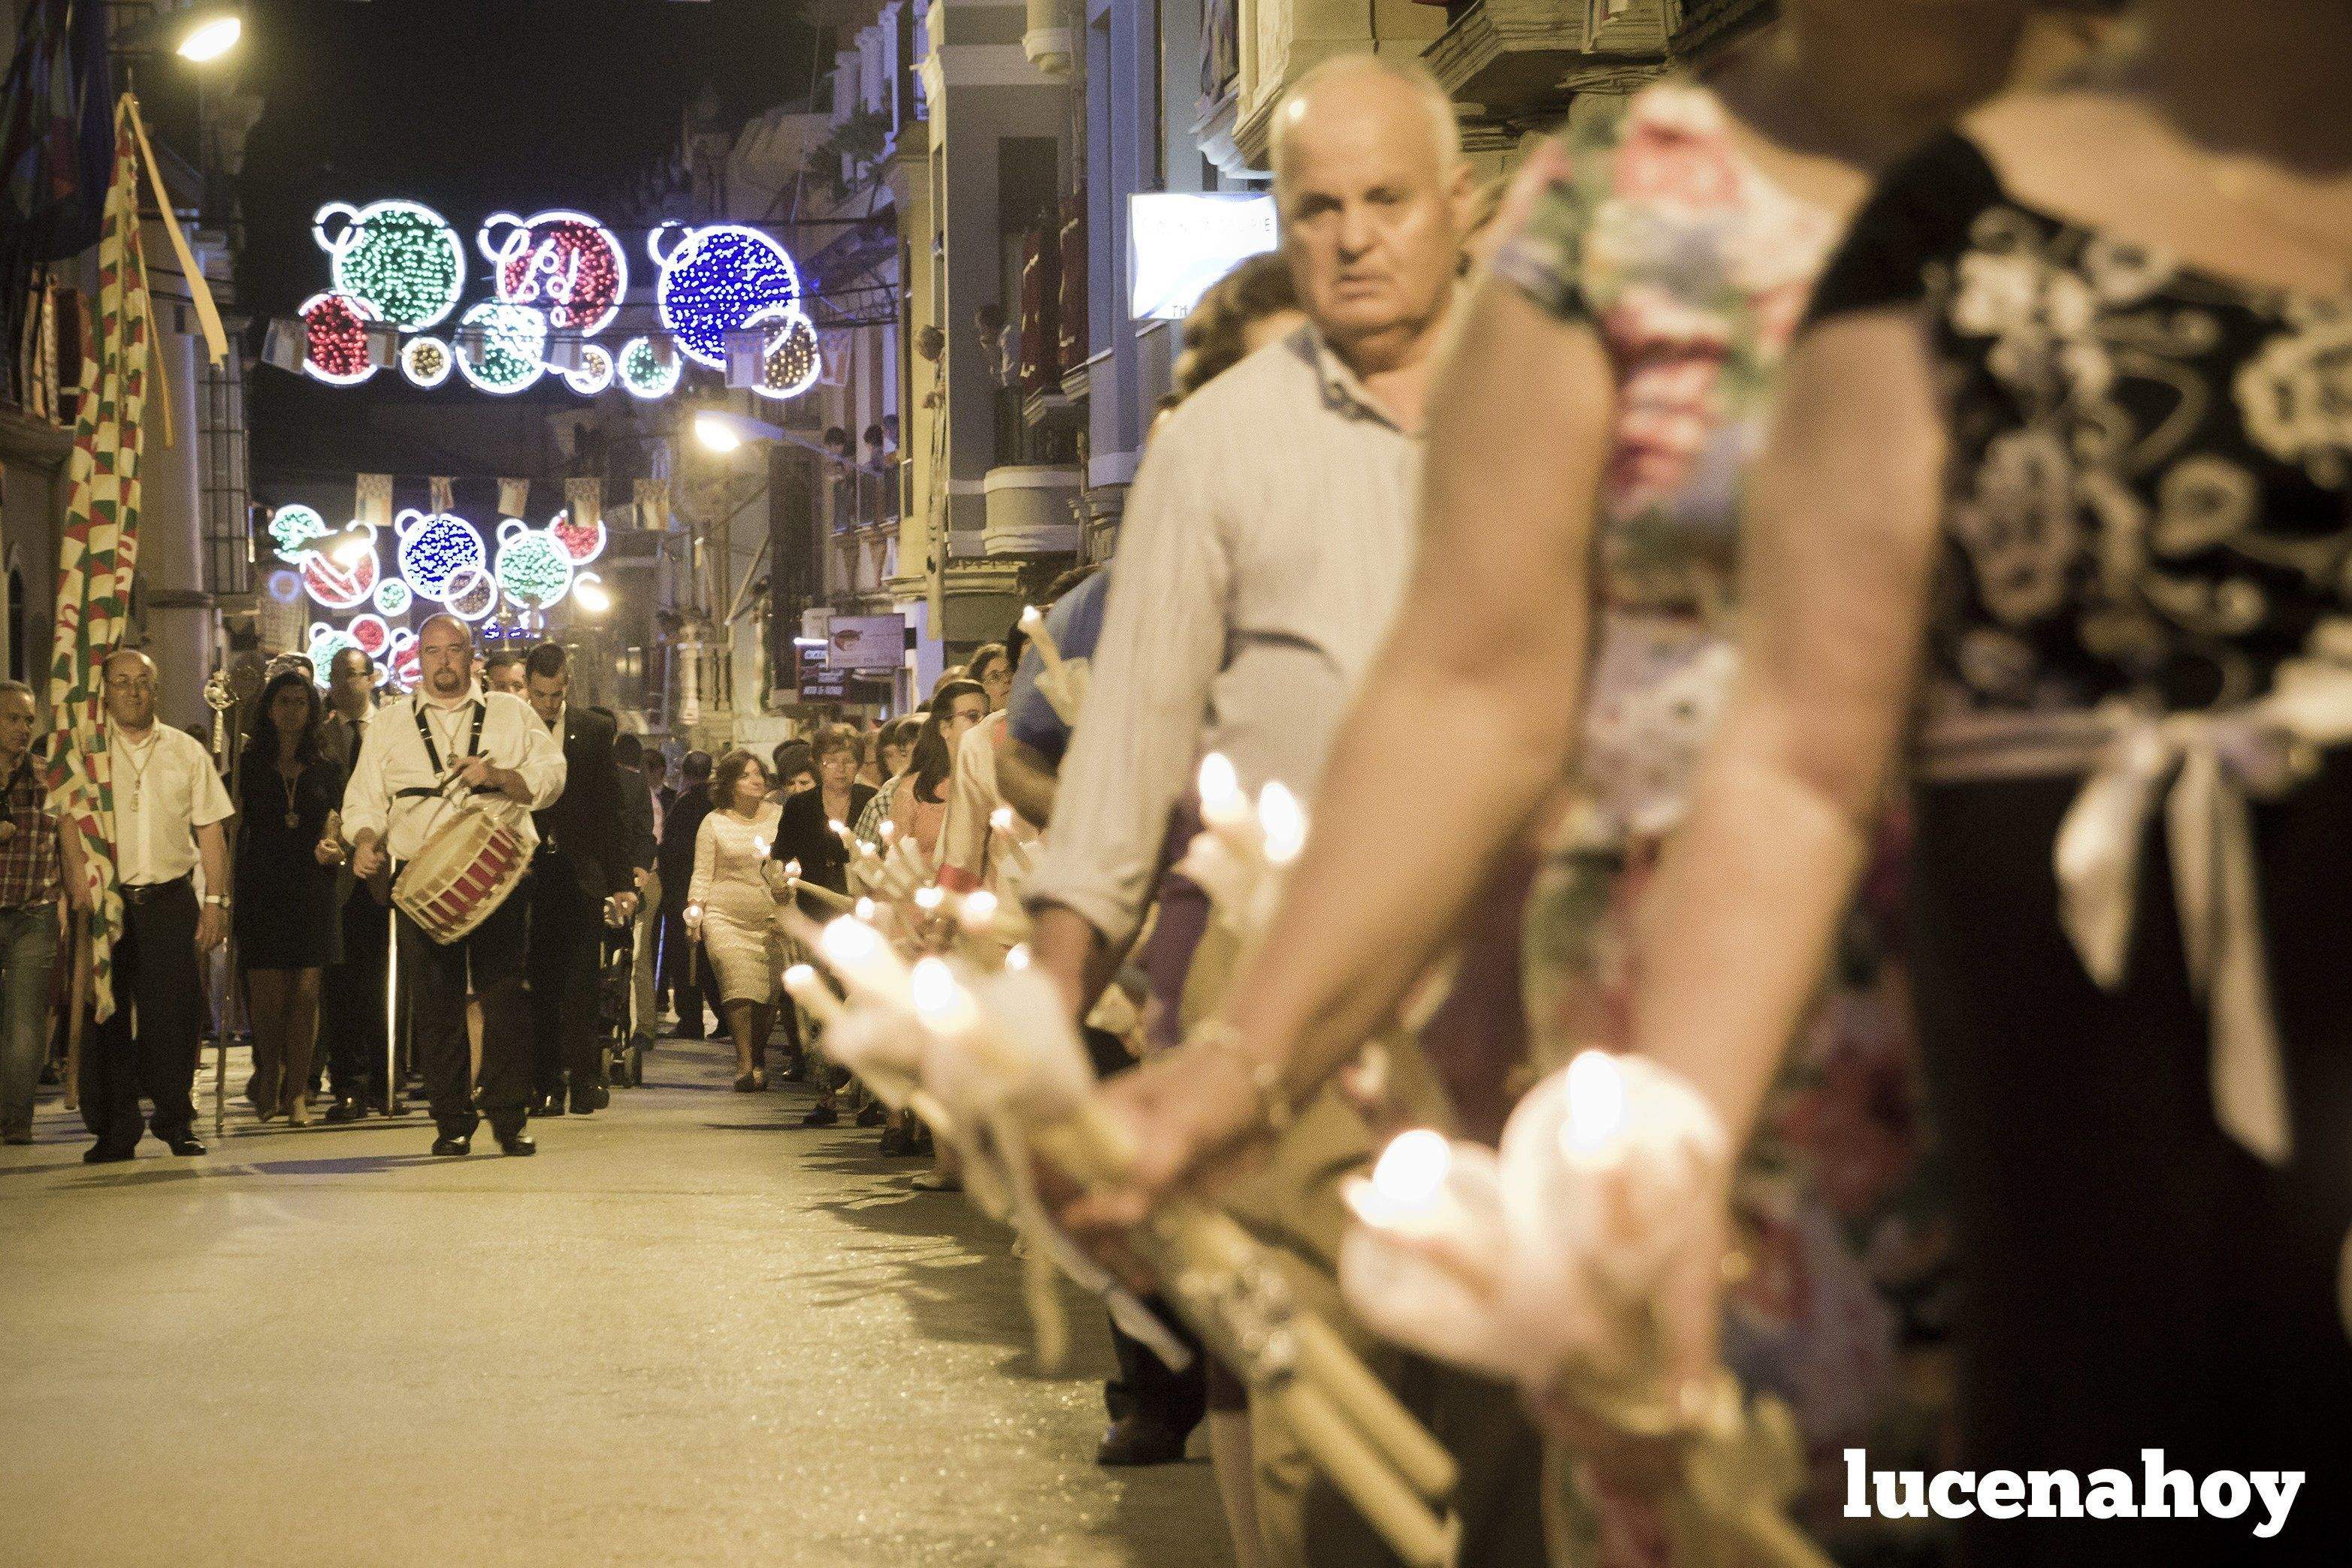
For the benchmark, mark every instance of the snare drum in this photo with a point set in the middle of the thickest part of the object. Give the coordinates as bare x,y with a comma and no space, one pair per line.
463,873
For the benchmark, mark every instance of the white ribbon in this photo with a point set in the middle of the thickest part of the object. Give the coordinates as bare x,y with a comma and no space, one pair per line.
2201,764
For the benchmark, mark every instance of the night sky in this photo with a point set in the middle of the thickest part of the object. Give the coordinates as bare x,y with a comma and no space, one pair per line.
470,106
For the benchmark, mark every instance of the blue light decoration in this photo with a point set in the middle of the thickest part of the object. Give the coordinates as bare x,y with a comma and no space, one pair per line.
401,257
283,586
642,372
426,361
566,263
433,548
534,568
513,346
715,280
792,360
593,373
291,529
394,597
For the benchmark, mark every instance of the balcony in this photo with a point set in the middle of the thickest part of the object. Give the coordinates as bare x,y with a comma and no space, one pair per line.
1516,59
1030,510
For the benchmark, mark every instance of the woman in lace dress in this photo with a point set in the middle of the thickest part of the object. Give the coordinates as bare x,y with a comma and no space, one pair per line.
2057,527
731,904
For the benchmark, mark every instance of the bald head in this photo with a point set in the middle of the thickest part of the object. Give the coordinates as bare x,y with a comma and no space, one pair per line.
444,657
1381,86
130,681
1372,190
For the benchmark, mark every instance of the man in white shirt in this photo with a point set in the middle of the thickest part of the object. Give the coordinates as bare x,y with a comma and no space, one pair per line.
169,805
493,748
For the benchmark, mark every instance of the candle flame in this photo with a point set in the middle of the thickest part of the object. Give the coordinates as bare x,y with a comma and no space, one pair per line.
979,909
1017,957
694,912
1283,821
1411,1170
848,940
792,868
763,846
928,899
938,999
1596,1104
865,909
799,978
1220,787
1030,616
1001,818
889,830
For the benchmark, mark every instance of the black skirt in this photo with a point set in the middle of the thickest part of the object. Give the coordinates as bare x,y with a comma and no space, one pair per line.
287,914
2132,1278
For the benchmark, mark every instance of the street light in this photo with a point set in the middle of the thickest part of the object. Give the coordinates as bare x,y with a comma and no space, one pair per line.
214,33
199,34
719,431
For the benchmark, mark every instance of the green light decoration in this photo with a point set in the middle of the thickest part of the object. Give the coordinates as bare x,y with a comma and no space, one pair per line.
643,374
401,257
291,529
394,597
501,345
534,569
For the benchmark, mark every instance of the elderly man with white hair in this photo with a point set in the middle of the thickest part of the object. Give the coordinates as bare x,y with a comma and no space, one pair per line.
168,807
1264,552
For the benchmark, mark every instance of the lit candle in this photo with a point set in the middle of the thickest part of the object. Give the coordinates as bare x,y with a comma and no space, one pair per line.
1221,802
1406,1191
865,964
815,998
928,899
1033,626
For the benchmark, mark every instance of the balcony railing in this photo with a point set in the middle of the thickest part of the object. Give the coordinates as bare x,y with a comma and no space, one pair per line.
863,498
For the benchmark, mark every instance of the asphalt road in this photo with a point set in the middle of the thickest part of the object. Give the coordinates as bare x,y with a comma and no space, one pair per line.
688,1331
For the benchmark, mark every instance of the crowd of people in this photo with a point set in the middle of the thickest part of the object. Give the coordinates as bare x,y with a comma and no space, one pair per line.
1833,581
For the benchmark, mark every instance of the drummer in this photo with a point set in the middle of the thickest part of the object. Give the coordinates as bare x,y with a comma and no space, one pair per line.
504,762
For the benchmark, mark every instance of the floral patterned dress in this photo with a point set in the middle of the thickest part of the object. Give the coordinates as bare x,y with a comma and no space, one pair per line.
2147,540
1695,270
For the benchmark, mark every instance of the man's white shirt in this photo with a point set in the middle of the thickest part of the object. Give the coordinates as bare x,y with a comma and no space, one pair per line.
393,757
165,787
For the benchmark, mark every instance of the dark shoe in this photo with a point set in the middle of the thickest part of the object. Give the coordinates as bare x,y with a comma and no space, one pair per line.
747,1084
446,1145
549,1105
694,1033
107,1154
187,1145
896,1141
589,1098
346,1111
517,1144
796,1067
820,1116
870,1114
15,1137
1136,1439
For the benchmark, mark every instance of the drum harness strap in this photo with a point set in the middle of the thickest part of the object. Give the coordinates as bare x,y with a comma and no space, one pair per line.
433,755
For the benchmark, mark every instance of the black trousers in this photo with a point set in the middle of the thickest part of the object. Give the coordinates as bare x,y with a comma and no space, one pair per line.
489,961
1146,1385
681,964
351,1006
148,1045
566,930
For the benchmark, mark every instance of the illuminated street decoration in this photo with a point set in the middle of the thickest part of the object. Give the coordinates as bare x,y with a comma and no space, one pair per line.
717,279
593,373
291,529
642,372
581,542
334,338
426,361
372,633
473,594
404,668
793,362
326,641
566,263
534,566
393,596
283,586
434,548
340,584
507,356
401,259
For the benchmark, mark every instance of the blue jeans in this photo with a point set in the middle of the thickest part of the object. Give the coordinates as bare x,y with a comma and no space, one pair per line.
28,951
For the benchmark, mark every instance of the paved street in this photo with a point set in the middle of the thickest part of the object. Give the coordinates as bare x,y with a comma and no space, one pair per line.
688,1331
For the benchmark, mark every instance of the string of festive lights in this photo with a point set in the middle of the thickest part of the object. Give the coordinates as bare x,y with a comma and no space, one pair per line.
715,280
334,338
534,568
433,548
501,347
583,542
291,529
593,373
344,578
426,361
565,263
642,372
394,597
792,359
402,257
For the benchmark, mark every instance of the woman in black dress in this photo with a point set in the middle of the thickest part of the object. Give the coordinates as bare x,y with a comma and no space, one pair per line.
2058,524
288,927
809,833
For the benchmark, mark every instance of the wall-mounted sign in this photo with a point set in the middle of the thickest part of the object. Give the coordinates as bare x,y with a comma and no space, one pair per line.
1179,243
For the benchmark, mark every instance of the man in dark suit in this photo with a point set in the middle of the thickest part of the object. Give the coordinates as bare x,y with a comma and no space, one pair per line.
350,1003
680,823
590,851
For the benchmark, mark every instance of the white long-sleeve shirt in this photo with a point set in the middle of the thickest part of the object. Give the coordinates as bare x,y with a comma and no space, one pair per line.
1260,562
393,758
